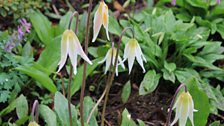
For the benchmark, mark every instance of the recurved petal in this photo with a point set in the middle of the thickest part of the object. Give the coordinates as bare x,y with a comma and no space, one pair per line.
120,62
191,111
97,22
79,50
64,52
177,105
105,16
139,54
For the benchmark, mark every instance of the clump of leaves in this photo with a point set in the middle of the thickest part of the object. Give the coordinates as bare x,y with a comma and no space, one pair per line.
11,81
20,8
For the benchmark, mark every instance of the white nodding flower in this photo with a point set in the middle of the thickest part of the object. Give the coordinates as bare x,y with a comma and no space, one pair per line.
70,46
101,18
33,123
184,109
132,50
107,58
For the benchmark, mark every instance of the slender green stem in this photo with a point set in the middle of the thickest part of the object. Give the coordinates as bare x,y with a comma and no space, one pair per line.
111,74
71,69
173,100
84,69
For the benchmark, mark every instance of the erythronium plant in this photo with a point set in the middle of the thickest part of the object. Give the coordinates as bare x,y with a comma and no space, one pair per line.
184,106
111,74
70,45
101,17
111,55
132,50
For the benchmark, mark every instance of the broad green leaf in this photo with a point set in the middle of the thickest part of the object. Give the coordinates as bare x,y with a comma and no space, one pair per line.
39,76
8,109
184,75
48,115
140,122
50,57
126,91
114,26
170,66
168,75
61,108
201,103
215,123
99,51
77,79
22,121
88,105
199,61
27,50
219,101
42,26
21,107
126,119
149,83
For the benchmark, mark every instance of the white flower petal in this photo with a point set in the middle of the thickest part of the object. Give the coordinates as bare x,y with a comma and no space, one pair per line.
183,113
138,54
97,22
126,51
73,54
131,59
120,62
177,105
105,17
64,52
116,70
80,50
191,111
108,62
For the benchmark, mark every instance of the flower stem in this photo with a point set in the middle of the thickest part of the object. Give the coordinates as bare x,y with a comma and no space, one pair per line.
84,69
173,100
111,74
71,68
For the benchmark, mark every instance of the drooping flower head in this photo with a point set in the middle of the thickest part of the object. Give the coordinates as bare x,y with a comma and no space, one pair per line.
33,123
184,109
101,18
112,52
132,50
70,46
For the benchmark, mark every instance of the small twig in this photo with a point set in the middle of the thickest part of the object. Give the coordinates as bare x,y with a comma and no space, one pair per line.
35,111
98,102
71,69
173,101
85,65
55,10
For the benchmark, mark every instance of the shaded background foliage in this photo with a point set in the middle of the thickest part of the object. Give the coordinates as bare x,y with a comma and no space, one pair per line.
182,44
